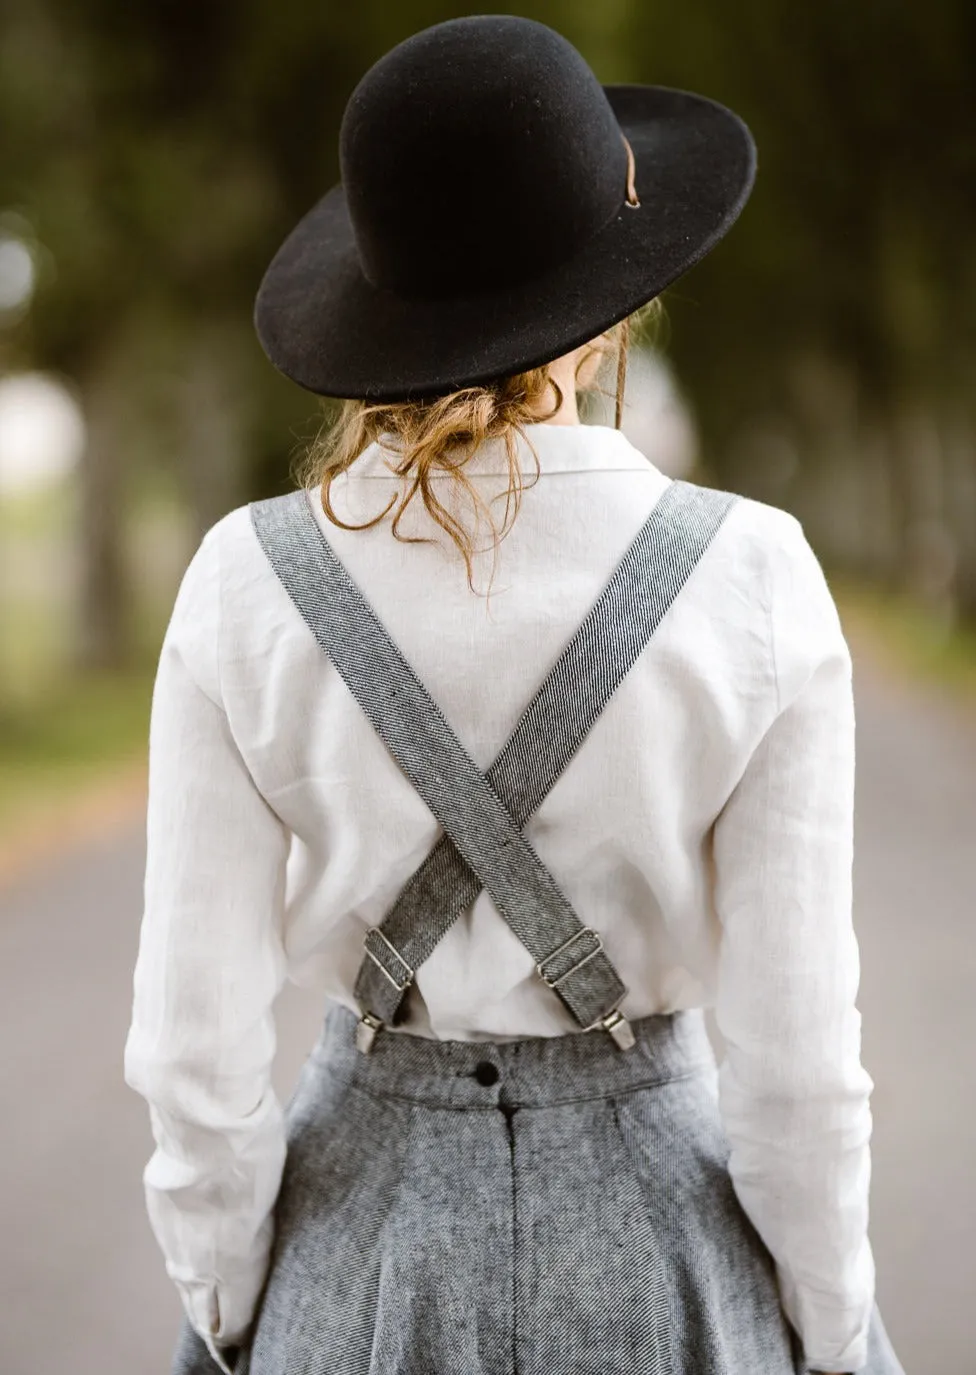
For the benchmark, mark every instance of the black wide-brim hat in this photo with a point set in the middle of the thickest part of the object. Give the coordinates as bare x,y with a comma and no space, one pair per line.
483,224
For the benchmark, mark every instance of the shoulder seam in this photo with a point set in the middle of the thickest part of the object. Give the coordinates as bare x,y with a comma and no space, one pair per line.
770,551
794,525
771,627
211,543
220,621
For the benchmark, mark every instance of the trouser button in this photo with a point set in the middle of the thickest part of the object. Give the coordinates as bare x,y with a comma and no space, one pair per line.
486,1073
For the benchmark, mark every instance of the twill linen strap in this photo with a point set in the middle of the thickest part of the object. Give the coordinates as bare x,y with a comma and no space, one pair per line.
482,814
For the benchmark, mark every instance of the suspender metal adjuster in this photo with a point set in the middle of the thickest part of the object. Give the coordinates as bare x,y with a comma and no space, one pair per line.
583,931
366,1029
398,984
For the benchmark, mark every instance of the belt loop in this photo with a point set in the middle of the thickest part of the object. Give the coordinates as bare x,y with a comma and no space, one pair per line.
366,1029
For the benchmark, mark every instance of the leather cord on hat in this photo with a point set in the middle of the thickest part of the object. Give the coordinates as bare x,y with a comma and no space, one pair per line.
632,200
624,343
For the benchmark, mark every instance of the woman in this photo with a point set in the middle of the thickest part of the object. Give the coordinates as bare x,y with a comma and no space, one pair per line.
519,845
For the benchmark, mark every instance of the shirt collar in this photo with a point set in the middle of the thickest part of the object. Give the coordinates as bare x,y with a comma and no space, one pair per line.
560,448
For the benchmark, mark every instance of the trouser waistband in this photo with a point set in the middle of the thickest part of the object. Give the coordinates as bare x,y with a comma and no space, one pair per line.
534,1070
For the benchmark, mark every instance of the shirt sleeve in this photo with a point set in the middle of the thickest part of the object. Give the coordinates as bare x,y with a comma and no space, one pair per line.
793,1094
210,964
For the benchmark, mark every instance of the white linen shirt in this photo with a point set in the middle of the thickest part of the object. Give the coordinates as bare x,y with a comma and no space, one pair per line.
704,828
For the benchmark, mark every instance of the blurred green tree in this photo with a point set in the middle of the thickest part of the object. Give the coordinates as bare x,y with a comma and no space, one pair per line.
161,151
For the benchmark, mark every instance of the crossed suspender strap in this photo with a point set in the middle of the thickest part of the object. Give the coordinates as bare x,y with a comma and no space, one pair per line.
482,814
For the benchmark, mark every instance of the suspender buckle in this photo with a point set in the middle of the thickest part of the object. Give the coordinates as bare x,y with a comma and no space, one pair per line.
397,984
619,1028
366,1029
583,931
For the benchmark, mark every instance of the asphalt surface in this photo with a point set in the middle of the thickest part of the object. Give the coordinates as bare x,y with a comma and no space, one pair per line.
82,1285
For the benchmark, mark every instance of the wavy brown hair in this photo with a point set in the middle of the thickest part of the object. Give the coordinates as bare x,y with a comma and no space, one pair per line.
439,435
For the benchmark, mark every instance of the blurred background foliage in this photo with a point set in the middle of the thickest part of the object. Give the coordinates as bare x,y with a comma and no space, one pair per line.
155,155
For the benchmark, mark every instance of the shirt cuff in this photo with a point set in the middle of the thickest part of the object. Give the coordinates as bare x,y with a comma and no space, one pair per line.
834,1335
851,1356
853,1359
212,1324
220,1355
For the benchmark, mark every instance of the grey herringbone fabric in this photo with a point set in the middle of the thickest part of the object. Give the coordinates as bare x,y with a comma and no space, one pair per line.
545,1206
482,814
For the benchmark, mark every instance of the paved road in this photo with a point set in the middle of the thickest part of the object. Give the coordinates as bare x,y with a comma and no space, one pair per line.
81,1283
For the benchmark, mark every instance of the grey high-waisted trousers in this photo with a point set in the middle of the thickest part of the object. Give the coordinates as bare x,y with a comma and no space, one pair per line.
546,1206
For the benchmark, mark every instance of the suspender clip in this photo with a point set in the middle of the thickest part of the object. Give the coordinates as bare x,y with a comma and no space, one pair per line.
619,1028
366,1029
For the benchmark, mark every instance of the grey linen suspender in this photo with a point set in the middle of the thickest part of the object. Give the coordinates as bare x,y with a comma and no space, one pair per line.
482,813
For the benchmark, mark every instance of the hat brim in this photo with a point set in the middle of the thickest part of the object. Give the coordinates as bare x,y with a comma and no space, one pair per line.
322,324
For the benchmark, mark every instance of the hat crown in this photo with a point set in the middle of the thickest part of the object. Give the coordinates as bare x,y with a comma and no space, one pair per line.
477,153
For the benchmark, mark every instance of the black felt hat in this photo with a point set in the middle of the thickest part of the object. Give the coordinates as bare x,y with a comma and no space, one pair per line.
497,208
